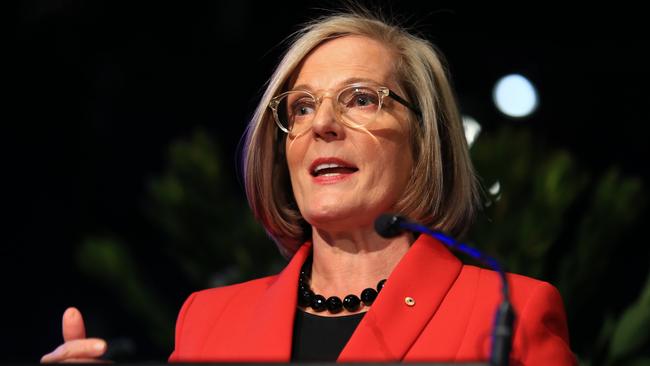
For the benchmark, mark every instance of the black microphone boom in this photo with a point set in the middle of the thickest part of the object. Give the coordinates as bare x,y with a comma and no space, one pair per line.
390,226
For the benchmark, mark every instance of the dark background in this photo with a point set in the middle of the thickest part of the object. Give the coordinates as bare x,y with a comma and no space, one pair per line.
97,90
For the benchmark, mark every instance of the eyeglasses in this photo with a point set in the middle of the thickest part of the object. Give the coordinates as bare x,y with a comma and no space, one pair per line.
356,105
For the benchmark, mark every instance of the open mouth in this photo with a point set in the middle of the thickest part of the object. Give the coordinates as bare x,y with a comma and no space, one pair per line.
332,169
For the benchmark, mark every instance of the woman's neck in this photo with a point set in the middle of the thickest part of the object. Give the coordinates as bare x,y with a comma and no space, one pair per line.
346,263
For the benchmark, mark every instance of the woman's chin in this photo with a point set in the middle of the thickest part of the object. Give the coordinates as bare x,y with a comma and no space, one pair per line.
339,220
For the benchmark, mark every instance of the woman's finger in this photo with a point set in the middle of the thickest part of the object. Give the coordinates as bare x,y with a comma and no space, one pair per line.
73,325
77,349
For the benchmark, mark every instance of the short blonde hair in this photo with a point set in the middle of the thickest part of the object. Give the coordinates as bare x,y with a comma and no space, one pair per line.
442,192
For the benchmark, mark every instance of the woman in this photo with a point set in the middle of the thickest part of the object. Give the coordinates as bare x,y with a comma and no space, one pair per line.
357,120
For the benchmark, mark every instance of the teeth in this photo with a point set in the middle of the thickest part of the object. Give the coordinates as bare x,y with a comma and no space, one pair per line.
325,166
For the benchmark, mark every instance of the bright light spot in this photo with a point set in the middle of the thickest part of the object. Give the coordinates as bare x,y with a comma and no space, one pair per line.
515,96
472,129
495,188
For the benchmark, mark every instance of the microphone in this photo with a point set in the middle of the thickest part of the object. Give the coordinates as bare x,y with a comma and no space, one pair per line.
390,226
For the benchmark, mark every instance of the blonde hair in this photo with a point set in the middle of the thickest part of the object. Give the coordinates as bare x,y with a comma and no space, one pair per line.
442,191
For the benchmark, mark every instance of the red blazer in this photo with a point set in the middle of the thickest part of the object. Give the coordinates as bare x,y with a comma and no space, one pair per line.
450,321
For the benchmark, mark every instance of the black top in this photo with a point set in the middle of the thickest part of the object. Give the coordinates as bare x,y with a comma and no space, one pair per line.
321,338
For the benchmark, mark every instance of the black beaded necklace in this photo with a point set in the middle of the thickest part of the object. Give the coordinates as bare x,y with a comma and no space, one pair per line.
307,297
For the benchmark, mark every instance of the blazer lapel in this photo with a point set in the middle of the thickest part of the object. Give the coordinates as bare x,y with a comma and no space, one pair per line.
270,330
391,326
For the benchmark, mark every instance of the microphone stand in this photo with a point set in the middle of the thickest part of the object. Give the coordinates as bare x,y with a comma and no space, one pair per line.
390,225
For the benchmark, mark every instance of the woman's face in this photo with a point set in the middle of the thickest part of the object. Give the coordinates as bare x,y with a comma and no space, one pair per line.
344,178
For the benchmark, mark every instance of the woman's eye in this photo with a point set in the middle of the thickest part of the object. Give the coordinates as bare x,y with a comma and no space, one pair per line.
361,99
302,108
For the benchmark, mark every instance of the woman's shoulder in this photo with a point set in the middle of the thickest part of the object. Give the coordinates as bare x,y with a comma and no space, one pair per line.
214,308
520,285
213,303
529,295
541,331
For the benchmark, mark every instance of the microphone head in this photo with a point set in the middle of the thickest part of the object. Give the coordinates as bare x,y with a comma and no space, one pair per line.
388,225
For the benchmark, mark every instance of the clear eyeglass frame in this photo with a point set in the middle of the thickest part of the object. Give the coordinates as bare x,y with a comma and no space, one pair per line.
381,91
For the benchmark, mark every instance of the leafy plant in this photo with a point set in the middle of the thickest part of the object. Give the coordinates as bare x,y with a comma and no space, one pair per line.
552,219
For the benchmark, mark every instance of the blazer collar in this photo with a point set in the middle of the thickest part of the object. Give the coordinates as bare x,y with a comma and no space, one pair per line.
425,274
270,331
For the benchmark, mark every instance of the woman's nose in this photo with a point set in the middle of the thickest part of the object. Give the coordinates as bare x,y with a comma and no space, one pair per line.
326,124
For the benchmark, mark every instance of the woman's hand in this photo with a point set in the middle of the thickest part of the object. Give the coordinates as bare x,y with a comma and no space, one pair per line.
76,347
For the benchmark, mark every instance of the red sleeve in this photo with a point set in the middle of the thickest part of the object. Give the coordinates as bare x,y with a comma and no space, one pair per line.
541,335
174,357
